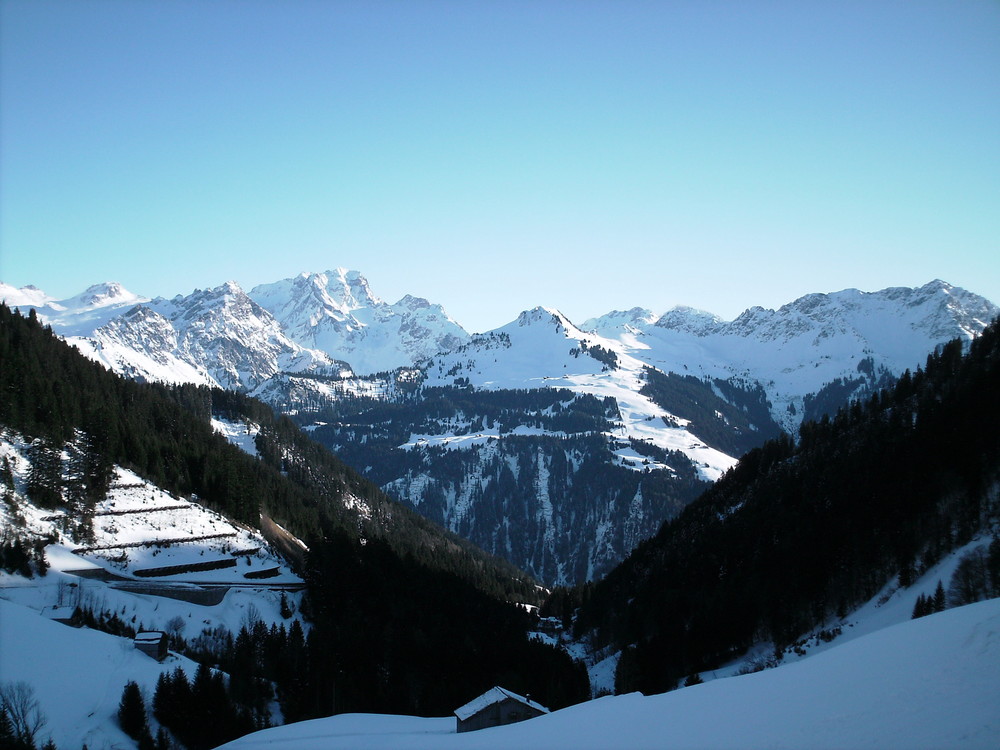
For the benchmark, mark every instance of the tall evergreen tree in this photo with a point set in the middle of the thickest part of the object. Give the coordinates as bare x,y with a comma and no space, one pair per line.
44,483
132,711
938,603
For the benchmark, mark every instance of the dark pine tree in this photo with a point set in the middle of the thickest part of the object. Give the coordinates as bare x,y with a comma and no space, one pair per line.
132,711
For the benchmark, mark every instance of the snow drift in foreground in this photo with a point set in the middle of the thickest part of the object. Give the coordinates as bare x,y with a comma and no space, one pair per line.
927,683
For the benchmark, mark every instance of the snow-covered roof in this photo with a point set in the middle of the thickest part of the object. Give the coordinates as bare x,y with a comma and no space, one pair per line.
491,696
59,613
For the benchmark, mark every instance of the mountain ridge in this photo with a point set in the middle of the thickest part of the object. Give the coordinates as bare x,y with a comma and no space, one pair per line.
337,312
674,398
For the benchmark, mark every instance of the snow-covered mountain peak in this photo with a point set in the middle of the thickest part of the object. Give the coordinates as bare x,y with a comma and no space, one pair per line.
216,336
308,297
804,345
346,289
77,315
358,286
107,294
231,288
216,307
26,297
936,311
540,347
957,306
548,316
337,312
616,322
409,302
689,319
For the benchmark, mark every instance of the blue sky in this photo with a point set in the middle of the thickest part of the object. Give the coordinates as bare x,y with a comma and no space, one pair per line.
494,156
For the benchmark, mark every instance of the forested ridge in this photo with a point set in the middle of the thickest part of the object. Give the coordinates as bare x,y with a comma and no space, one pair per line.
52,394
405,616
734,424
797,533
559,503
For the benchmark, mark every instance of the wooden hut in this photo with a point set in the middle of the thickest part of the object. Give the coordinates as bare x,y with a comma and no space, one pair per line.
152,643
495,708
60,614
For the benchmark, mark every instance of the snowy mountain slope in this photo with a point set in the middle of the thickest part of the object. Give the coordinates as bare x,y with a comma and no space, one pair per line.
543,349
239,343
892,605
78,315
545,486
715,391
550,503
797,350
794,353
155,562
225,337
302,324
142,533
25,297
77,675
211,337
927,683
336,312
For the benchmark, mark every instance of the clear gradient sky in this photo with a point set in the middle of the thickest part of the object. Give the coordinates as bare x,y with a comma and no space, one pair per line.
493,156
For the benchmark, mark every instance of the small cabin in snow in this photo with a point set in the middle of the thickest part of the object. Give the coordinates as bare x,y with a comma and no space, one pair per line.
152,643
60,614
495,708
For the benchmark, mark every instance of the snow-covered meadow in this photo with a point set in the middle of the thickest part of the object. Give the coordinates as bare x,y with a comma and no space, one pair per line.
928,684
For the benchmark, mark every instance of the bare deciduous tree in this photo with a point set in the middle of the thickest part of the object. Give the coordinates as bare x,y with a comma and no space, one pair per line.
18,699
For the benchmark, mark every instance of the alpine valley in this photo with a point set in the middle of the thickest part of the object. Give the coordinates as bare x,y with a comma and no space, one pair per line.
557,446
184,566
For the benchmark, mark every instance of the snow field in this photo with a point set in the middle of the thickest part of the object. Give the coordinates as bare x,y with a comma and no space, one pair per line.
77,675
924,684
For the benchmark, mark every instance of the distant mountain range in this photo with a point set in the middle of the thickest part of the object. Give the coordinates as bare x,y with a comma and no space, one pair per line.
649,407
329,323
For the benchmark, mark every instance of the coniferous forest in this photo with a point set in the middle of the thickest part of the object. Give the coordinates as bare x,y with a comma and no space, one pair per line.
411,619
801,532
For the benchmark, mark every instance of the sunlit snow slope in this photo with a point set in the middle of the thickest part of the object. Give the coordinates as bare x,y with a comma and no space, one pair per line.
925,684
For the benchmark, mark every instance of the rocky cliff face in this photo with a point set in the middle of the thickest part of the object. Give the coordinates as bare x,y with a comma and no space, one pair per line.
212,337
337,313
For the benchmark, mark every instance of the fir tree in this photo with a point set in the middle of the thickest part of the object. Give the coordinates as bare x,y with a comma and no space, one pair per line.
132,711
938,603
44,484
